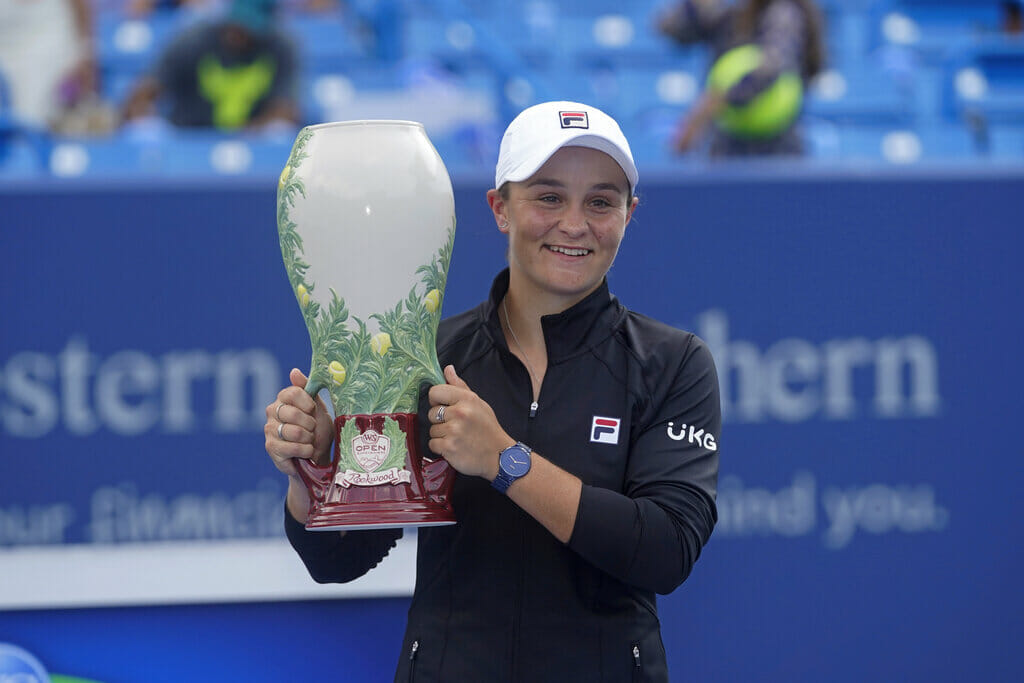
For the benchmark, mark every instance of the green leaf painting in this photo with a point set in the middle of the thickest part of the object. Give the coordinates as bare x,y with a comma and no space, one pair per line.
365,373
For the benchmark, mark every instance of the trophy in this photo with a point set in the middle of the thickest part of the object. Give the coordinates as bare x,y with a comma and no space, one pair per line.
366,221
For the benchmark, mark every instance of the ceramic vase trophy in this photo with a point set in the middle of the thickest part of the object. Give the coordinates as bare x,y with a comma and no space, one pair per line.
366,220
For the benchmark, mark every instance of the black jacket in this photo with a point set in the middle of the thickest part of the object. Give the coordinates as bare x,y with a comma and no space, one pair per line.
497,597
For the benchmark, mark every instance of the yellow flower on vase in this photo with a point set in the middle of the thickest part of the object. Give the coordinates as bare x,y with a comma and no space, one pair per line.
337,371
303,295
284,176
432,301
380,343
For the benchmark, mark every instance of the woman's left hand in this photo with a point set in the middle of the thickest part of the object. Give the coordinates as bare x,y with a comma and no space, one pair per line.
469,436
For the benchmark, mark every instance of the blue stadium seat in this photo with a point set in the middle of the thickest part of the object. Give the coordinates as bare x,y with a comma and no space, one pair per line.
202,154
127,47
846,33
179,154
946,17
23,148
935,28
594,8
325,40
650,132
618,40
987,80
19,157
859,96
639,89
443,38
132,43
1006,143
113,157
941,142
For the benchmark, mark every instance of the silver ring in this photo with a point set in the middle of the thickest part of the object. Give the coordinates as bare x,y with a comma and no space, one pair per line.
278,411
440,414
280,434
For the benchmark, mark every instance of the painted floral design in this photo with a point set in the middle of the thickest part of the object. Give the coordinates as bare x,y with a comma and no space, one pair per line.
365,373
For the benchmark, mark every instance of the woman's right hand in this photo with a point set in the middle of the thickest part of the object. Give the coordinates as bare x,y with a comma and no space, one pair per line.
306,429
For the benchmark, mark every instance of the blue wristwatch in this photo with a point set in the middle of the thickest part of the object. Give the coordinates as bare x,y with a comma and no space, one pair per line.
513,463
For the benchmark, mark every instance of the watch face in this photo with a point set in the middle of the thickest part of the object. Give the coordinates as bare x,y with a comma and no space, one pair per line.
515,462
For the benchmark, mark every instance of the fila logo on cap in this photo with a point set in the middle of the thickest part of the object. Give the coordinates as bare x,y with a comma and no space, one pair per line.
605,430
574,119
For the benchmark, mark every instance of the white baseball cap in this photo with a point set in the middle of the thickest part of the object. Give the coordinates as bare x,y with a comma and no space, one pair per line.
543,129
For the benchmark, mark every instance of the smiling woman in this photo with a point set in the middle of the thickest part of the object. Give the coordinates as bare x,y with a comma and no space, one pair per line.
564,226
560,546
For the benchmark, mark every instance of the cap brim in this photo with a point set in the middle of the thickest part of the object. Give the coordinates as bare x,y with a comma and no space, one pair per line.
539,157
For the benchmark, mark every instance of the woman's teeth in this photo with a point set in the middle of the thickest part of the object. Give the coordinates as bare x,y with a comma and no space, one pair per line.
570,252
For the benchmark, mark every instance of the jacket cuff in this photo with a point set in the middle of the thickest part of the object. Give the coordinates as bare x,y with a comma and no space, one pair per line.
333,557
305,541
607,529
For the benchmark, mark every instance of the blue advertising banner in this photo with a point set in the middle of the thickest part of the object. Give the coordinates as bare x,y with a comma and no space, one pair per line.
864,325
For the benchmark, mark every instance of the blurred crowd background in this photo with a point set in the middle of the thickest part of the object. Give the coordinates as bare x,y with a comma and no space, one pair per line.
193,87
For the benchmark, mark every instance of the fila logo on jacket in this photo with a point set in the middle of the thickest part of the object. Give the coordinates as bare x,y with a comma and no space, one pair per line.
605,430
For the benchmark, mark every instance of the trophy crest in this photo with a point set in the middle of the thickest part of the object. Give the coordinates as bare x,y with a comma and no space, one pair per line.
366,222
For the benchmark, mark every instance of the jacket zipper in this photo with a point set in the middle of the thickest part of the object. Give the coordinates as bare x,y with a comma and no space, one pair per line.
534,404
412,659
636,662
529,372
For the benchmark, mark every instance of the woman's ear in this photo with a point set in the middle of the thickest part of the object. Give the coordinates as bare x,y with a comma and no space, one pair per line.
631,208
498,208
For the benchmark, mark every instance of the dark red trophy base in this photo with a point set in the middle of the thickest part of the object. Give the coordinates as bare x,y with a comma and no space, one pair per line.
423,501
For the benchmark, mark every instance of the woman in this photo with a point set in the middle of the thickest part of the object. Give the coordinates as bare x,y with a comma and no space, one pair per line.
788,35
560,546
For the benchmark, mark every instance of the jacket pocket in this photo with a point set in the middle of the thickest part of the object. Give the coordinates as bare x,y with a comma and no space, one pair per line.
414,651
633,655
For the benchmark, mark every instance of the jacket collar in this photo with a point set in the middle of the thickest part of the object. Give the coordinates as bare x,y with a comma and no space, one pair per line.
568,333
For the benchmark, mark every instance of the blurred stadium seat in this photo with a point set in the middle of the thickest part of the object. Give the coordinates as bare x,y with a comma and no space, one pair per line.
906,79
1006,143
987,80
200,154
859,95
892,144
22,148
127,46
935,28
325,41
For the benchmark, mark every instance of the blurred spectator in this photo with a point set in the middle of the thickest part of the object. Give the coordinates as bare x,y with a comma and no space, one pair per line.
200,8
46,60
144,7
1013,23
764,54
232,73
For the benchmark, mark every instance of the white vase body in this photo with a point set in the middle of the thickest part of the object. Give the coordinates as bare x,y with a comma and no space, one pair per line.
366,220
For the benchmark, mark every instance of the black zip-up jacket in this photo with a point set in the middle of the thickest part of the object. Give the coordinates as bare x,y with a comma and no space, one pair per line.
497,597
